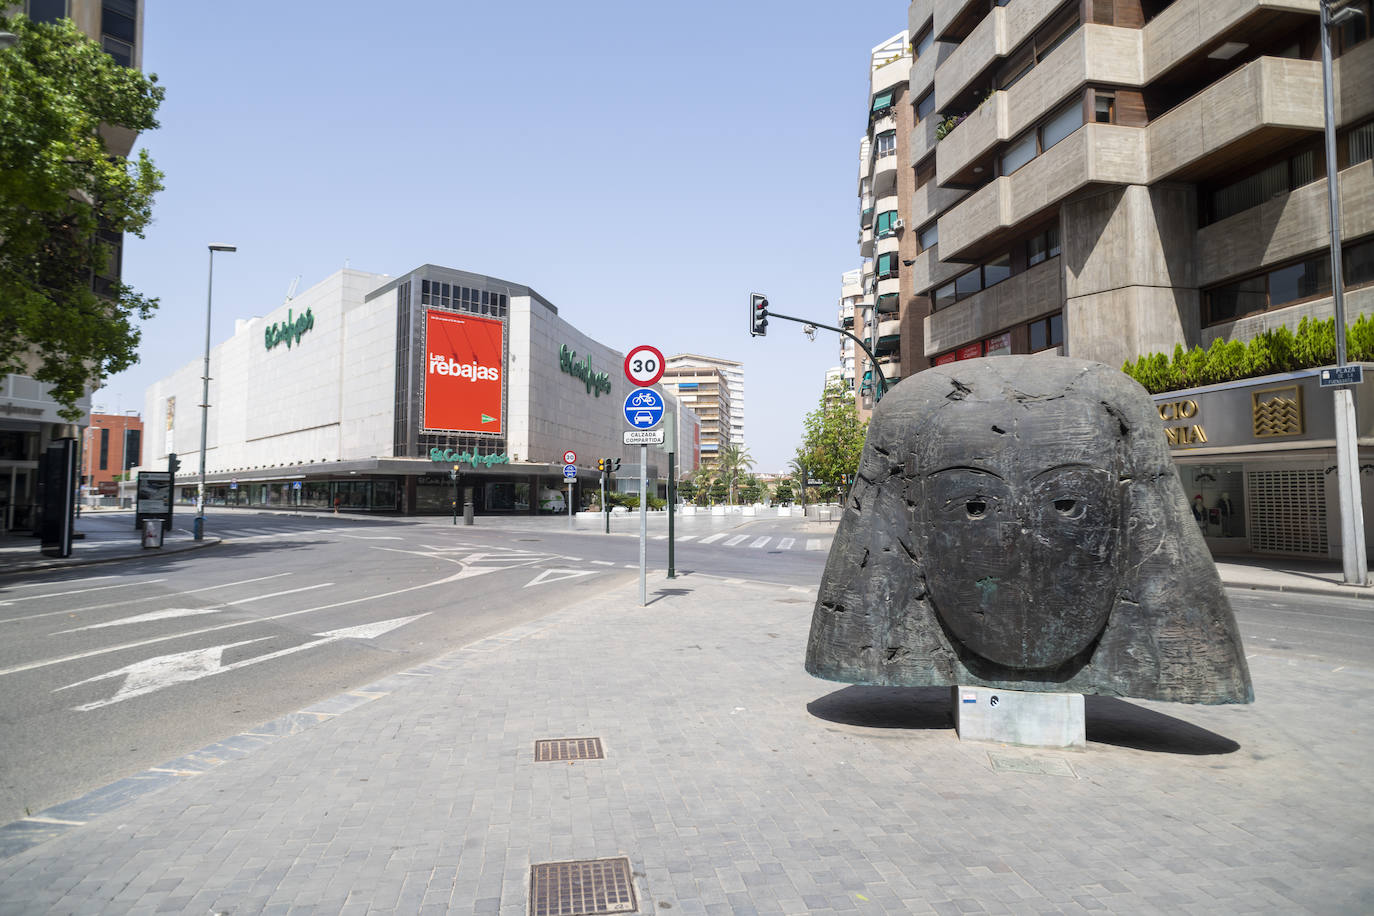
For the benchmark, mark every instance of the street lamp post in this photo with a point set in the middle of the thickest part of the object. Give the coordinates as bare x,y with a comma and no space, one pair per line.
205,393
1354,563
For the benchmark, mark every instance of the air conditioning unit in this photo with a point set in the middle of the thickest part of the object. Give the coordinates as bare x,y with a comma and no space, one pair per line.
898,224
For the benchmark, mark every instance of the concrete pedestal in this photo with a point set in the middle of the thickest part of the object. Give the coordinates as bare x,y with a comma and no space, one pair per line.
1017,717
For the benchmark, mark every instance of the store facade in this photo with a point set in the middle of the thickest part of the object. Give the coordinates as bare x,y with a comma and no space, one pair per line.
1257,461
366,393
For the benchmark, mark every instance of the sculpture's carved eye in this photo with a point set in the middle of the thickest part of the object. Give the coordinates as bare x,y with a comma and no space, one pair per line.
1069,508
976,508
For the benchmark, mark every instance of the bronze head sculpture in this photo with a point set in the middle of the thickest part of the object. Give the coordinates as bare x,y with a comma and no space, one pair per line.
1017,522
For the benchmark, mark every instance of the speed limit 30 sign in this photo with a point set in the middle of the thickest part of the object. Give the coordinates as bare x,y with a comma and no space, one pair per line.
644,366
570,457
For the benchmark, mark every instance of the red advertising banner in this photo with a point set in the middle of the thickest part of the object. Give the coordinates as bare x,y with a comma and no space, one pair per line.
971,351
463,367
947,358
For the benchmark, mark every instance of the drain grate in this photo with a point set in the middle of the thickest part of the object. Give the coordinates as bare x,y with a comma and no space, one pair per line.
568,749
582,888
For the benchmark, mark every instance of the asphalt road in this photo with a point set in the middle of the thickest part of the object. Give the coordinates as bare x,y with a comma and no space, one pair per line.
110,669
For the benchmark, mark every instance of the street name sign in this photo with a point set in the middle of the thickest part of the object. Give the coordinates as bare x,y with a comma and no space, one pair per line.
1342,375
644,365
643,408
569,472
644,437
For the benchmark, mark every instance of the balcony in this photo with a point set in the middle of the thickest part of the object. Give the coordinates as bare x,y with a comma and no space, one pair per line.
922,140
885,173
866,242
1264,106
1288,226
986,220
1013,301
929,201
954,18
994,37
892,368
928,271
887,243
1188,30
889,328
889,285
890,75
1092,54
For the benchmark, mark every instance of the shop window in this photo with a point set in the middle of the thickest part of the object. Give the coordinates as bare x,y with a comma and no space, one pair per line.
1047,332
929,236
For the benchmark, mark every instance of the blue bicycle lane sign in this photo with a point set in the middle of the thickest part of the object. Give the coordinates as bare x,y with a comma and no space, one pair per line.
643,408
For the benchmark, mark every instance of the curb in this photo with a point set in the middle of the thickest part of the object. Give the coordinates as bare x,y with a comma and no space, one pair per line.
46,565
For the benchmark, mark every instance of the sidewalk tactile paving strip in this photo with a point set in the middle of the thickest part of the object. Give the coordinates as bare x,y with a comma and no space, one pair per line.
568,749
585,888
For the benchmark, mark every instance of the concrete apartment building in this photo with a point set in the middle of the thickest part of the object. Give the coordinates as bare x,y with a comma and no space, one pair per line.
1108,178
734,380
705,390
29,421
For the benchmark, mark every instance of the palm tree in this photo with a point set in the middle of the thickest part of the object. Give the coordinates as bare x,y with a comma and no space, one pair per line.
702,478
734,461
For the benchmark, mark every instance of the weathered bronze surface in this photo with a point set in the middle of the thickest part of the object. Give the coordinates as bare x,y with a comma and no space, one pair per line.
1018,523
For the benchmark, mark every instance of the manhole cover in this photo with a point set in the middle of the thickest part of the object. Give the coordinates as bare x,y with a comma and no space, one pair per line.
582,888
568,749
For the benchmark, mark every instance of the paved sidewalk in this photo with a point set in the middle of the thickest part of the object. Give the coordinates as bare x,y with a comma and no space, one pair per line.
734,783
107,535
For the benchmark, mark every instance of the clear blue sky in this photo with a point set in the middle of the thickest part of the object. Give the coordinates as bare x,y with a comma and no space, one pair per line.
643,166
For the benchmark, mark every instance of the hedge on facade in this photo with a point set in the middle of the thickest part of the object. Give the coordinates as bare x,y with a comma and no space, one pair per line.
1273,351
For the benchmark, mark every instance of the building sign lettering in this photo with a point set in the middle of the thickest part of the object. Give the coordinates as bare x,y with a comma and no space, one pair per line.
290,330
597,382
1188,434
449,456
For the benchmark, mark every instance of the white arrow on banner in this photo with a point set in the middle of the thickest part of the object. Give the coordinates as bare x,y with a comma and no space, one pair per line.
167,670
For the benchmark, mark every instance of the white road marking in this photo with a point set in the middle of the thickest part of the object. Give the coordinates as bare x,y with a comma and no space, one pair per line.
760,542
602,563
372,537
660,537
19,669
689,537
103,607
289,591
735,540
68,582
558,575
167,614
786,543
815,544
712,538
154,674
79,591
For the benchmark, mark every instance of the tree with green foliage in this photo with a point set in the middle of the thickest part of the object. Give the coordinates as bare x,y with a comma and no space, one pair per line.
719,491
735,460
686,490
783,494
833,441
65,197
750,493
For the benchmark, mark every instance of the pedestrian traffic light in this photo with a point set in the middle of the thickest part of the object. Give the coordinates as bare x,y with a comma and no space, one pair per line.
758,315
615,464
173,463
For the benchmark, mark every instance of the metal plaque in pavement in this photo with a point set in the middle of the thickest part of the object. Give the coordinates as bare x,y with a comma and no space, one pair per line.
1342,375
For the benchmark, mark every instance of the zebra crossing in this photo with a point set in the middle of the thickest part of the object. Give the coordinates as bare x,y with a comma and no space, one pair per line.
749,542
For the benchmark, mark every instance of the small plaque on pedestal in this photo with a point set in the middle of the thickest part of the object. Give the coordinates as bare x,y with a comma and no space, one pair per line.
1017,717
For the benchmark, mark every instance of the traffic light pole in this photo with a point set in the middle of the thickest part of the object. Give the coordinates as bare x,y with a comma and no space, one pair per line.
882,379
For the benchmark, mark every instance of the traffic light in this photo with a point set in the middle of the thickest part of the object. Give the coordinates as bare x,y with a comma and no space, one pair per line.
758,315
614,464
173,463
601,465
